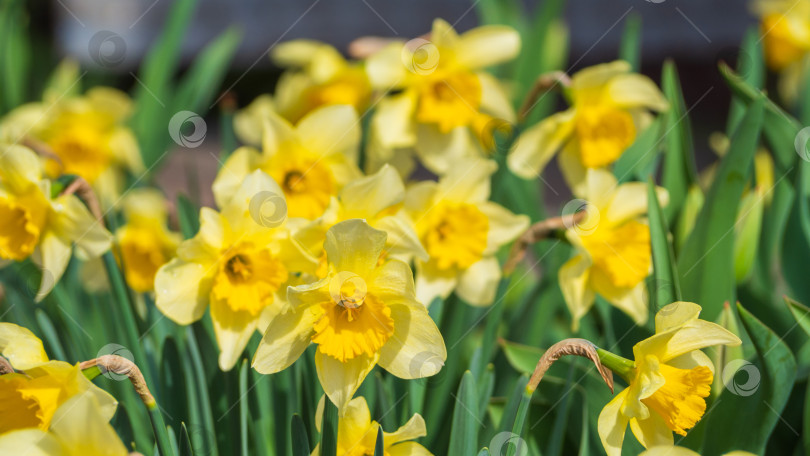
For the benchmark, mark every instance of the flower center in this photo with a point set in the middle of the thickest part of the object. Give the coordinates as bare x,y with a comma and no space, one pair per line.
30,400
622,253
450,100
308,184
455,235
248,279
353,322
81,141
680,401
21,222
603,133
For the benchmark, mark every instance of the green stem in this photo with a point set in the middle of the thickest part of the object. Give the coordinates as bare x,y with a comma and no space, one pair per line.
520,421
159,427
329,428
622,366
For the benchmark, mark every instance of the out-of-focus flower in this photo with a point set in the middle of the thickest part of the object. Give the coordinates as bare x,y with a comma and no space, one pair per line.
444,100
785,26
30,398
361,314
145,242
612,245
668,380
357,433
320,76
311,161
35,225
86,135
79,428
609,108
377,199
239,264
672,450
461,231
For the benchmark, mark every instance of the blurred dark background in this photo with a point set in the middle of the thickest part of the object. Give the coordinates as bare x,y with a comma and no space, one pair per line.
694,33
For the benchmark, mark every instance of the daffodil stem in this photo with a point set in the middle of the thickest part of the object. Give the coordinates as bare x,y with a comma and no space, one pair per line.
329,428
159,427
622,366
520,421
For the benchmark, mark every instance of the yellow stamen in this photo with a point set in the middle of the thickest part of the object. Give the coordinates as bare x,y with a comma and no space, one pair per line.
308,185
604,133
455,235
680,401
449,100
248,279
354,326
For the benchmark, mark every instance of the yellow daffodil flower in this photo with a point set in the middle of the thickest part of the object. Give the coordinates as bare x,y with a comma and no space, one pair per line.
239,264
378,200
357,433
612,244
86,135
362,313
668,381
663,450
79,428
444,100
31,397
320,76
311,161
785,26
145,242
35,225
461,231
609,108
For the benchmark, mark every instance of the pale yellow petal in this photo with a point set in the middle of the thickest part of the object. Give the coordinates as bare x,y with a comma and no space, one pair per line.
112,101
652,432
326,64
233,331
630,201
504,226
284,341
238,166
612,425
373,194
534,147
408,449
354,246
633,90
690,336
20,168
675,315
393,123
79,426
468,181
601,185
295,53
258,205
432,283
21,347
52,257
31,442
487,45
403,242
248,124
494,100
478,283
631,301
340,380
579,297
416,349
443,35
385,69
598,75
331,130
412,430
572,169
127,152
441,152
73,222
392,282
182,290
670,451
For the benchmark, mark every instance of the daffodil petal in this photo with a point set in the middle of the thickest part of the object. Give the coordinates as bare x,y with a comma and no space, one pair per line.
403,242
340,380
535,146
19,167
21,347
295,53
392,281
233,331
412,430
477,285
432,283
573,278
676,314
182,290
443,35
504,226
598,75
670,451
72,222
248,123
373,194
691,360
30,442
416,348
631,301
630,201
487,45
354,246
284,341
601,185
572,169
78,424
331,130
385,68
441,152
468,181
686,338
53,256
408,449
612,425
244,210
393,120
652,432
494,100
238,165
633,90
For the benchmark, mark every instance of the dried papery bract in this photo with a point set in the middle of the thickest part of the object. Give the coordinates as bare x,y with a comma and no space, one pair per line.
82,189
544,84
536,233
5,366
578,347
122,366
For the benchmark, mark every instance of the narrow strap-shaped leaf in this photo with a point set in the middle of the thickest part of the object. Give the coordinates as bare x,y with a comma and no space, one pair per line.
800,312
243,407
706,263
494,317
185,442
379,447
188,217
197,89
630,48
329,428
665,286
796,238
159,428
751,68
520,423
465,424
300,440
679,169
